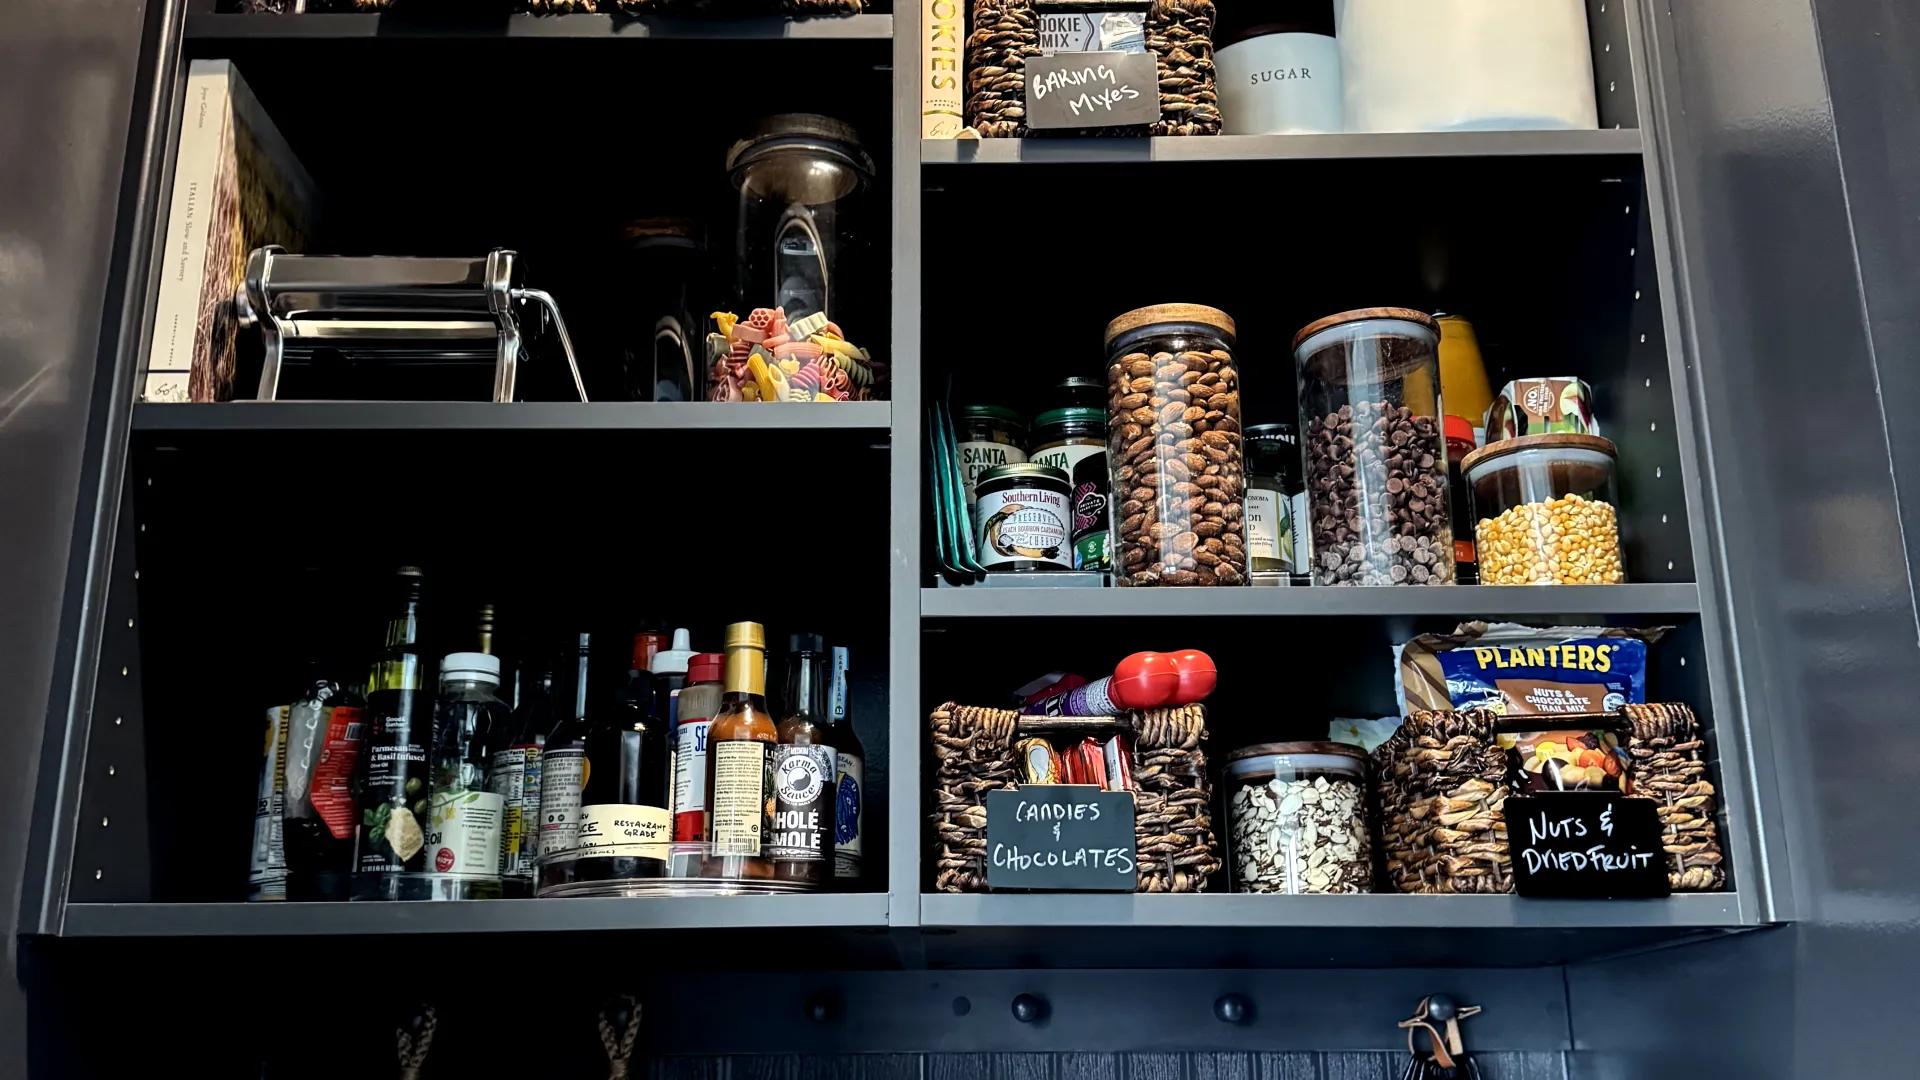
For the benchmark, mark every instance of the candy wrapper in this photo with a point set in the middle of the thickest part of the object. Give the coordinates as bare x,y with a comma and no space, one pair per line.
1539,407
764,357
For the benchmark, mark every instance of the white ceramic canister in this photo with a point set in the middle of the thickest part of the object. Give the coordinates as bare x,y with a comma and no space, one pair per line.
1459,65
1280,79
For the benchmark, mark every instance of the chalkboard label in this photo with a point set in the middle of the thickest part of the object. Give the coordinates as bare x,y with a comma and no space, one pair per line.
1066,837
1092,89
1593,844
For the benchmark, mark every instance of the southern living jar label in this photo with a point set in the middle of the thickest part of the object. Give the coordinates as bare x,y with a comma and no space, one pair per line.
1024,524
740,781
977,457
463,834
641,832
803,791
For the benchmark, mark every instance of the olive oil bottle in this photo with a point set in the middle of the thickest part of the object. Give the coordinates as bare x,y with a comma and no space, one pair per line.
393,788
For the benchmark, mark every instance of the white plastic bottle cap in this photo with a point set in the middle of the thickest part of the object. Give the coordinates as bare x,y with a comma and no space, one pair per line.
674,661
475,666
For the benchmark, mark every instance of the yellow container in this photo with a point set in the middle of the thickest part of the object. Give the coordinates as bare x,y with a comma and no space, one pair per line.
1464,389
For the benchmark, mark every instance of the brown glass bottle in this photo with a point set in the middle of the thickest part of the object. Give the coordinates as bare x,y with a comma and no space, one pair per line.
803,769
740,747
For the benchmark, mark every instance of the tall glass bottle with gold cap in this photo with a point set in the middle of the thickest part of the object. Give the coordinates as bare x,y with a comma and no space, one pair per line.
740,745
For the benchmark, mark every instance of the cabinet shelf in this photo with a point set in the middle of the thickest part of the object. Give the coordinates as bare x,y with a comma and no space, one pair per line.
1697,911
844,910
519,416
1608,142
334,27
1465,600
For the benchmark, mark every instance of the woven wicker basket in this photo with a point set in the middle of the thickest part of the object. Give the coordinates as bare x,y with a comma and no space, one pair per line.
1004,33
1665,744
1442,782
973,752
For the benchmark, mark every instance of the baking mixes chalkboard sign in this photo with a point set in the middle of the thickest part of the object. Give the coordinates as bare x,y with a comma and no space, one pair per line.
1593,844
1066,837
1092,89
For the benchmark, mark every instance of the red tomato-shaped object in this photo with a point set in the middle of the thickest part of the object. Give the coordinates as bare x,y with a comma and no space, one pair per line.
1197,676
1145,680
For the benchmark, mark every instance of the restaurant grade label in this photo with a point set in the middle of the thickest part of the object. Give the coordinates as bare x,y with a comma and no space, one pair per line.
1062,837
1588,844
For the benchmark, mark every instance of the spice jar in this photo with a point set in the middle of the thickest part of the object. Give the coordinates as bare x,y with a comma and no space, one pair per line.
1545,505
1297,818
987,436
1025,519
1376,465
1173,438
1273,479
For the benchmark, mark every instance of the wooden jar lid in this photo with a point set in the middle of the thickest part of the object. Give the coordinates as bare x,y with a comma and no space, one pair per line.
1360,314
1552,440
1171,313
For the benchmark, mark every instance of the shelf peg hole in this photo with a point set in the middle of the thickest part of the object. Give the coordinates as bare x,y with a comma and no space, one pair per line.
110,770
98,874
1632,251
123,670
1636,294
1610,86
117,720
1649,384
129,624
961,1006
1658,472
1683,661
103,822
1643,341
1669,564
1663,519
1655,426
136,575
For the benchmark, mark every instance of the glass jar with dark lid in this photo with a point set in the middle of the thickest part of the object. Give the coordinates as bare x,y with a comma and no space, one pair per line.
986,437
800,177
1079,392
1297,818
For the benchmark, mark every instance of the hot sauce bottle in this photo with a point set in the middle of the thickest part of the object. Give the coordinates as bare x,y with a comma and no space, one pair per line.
804,769
740,746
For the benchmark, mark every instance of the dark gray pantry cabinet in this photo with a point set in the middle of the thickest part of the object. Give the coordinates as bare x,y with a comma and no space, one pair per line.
1729,261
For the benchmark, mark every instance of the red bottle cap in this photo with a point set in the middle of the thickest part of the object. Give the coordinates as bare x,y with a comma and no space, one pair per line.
706,667
1459,430
645,646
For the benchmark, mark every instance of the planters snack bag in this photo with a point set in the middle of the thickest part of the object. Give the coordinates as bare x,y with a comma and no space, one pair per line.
1524,670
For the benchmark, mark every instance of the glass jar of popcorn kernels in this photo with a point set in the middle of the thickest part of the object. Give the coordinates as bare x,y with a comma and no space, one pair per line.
1545,511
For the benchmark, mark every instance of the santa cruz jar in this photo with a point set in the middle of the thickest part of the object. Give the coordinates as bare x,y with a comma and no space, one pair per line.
1024,518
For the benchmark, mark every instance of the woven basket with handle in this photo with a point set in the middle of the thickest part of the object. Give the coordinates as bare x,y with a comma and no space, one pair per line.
973,752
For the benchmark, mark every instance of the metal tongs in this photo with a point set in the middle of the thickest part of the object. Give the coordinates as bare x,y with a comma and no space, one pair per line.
393,308
1447,1057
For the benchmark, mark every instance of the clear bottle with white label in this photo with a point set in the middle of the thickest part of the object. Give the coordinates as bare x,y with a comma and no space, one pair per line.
465,819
